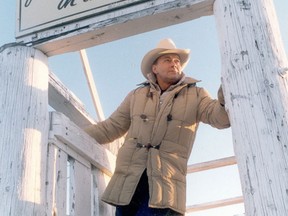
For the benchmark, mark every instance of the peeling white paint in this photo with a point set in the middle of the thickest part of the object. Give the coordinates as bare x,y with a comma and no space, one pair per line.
257,100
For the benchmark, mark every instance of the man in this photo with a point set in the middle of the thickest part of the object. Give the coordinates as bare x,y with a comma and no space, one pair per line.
160,118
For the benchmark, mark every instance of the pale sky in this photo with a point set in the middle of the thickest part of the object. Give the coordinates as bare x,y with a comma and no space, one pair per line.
116,69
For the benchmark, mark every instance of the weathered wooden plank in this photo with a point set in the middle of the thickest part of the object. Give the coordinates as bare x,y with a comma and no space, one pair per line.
56,181
214,204
82,189
63,129
91,85
63,100
72,153
23,130
71,187
49,180
256,97
99,183
117,24
211,164
72,184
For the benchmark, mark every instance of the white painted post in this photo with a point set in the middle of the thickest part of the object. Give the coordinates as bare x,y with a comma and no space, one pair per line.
23,130
256,93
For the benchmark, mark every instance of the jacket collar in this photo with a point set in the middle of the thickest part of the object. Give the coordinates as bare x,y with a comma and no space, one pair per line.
183,81
190,80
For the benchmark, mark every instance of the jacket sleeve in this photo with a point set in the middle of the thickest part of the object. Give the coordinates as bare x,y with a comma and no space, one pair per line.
115,126
212,111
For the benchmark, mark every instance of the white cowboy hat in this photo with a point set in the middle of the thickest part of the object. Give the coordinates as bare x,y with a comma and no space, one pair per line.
165,46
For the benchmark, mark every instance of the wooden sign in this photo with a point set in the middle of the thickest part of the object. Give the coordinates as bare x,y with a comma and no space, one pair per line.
60,26
38,15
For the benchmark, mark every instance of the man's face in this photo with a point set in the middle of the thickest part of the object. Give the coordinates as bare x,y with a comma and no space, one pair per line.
167,69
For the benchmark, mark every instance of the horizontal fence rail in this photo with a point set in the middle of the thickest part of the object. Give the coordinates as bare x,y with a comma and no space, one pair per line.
211,164
215,204
66,102
228,161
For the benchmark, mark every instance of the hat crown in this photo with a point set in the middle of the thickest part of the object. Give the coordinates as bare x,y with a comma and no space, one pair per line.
166,44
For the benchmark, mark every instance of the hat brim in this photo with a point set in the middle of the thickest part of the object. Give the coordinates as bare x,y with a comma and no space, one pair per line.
150,58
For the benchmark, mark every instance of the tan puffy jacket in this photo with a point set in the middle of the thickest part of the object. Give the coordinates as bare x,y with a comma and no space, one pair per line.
169,131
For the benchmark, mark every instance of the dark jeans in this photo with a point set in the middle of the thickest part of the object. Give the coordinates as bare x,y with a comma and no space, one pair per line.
139,203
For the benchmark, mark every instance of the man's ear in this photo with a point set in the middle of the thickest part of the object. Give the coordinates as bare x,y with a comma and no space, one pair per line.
154,69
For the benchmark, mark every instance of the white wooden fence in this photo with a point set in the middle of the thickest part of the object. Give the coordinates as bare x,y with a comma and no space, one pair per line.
78,170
